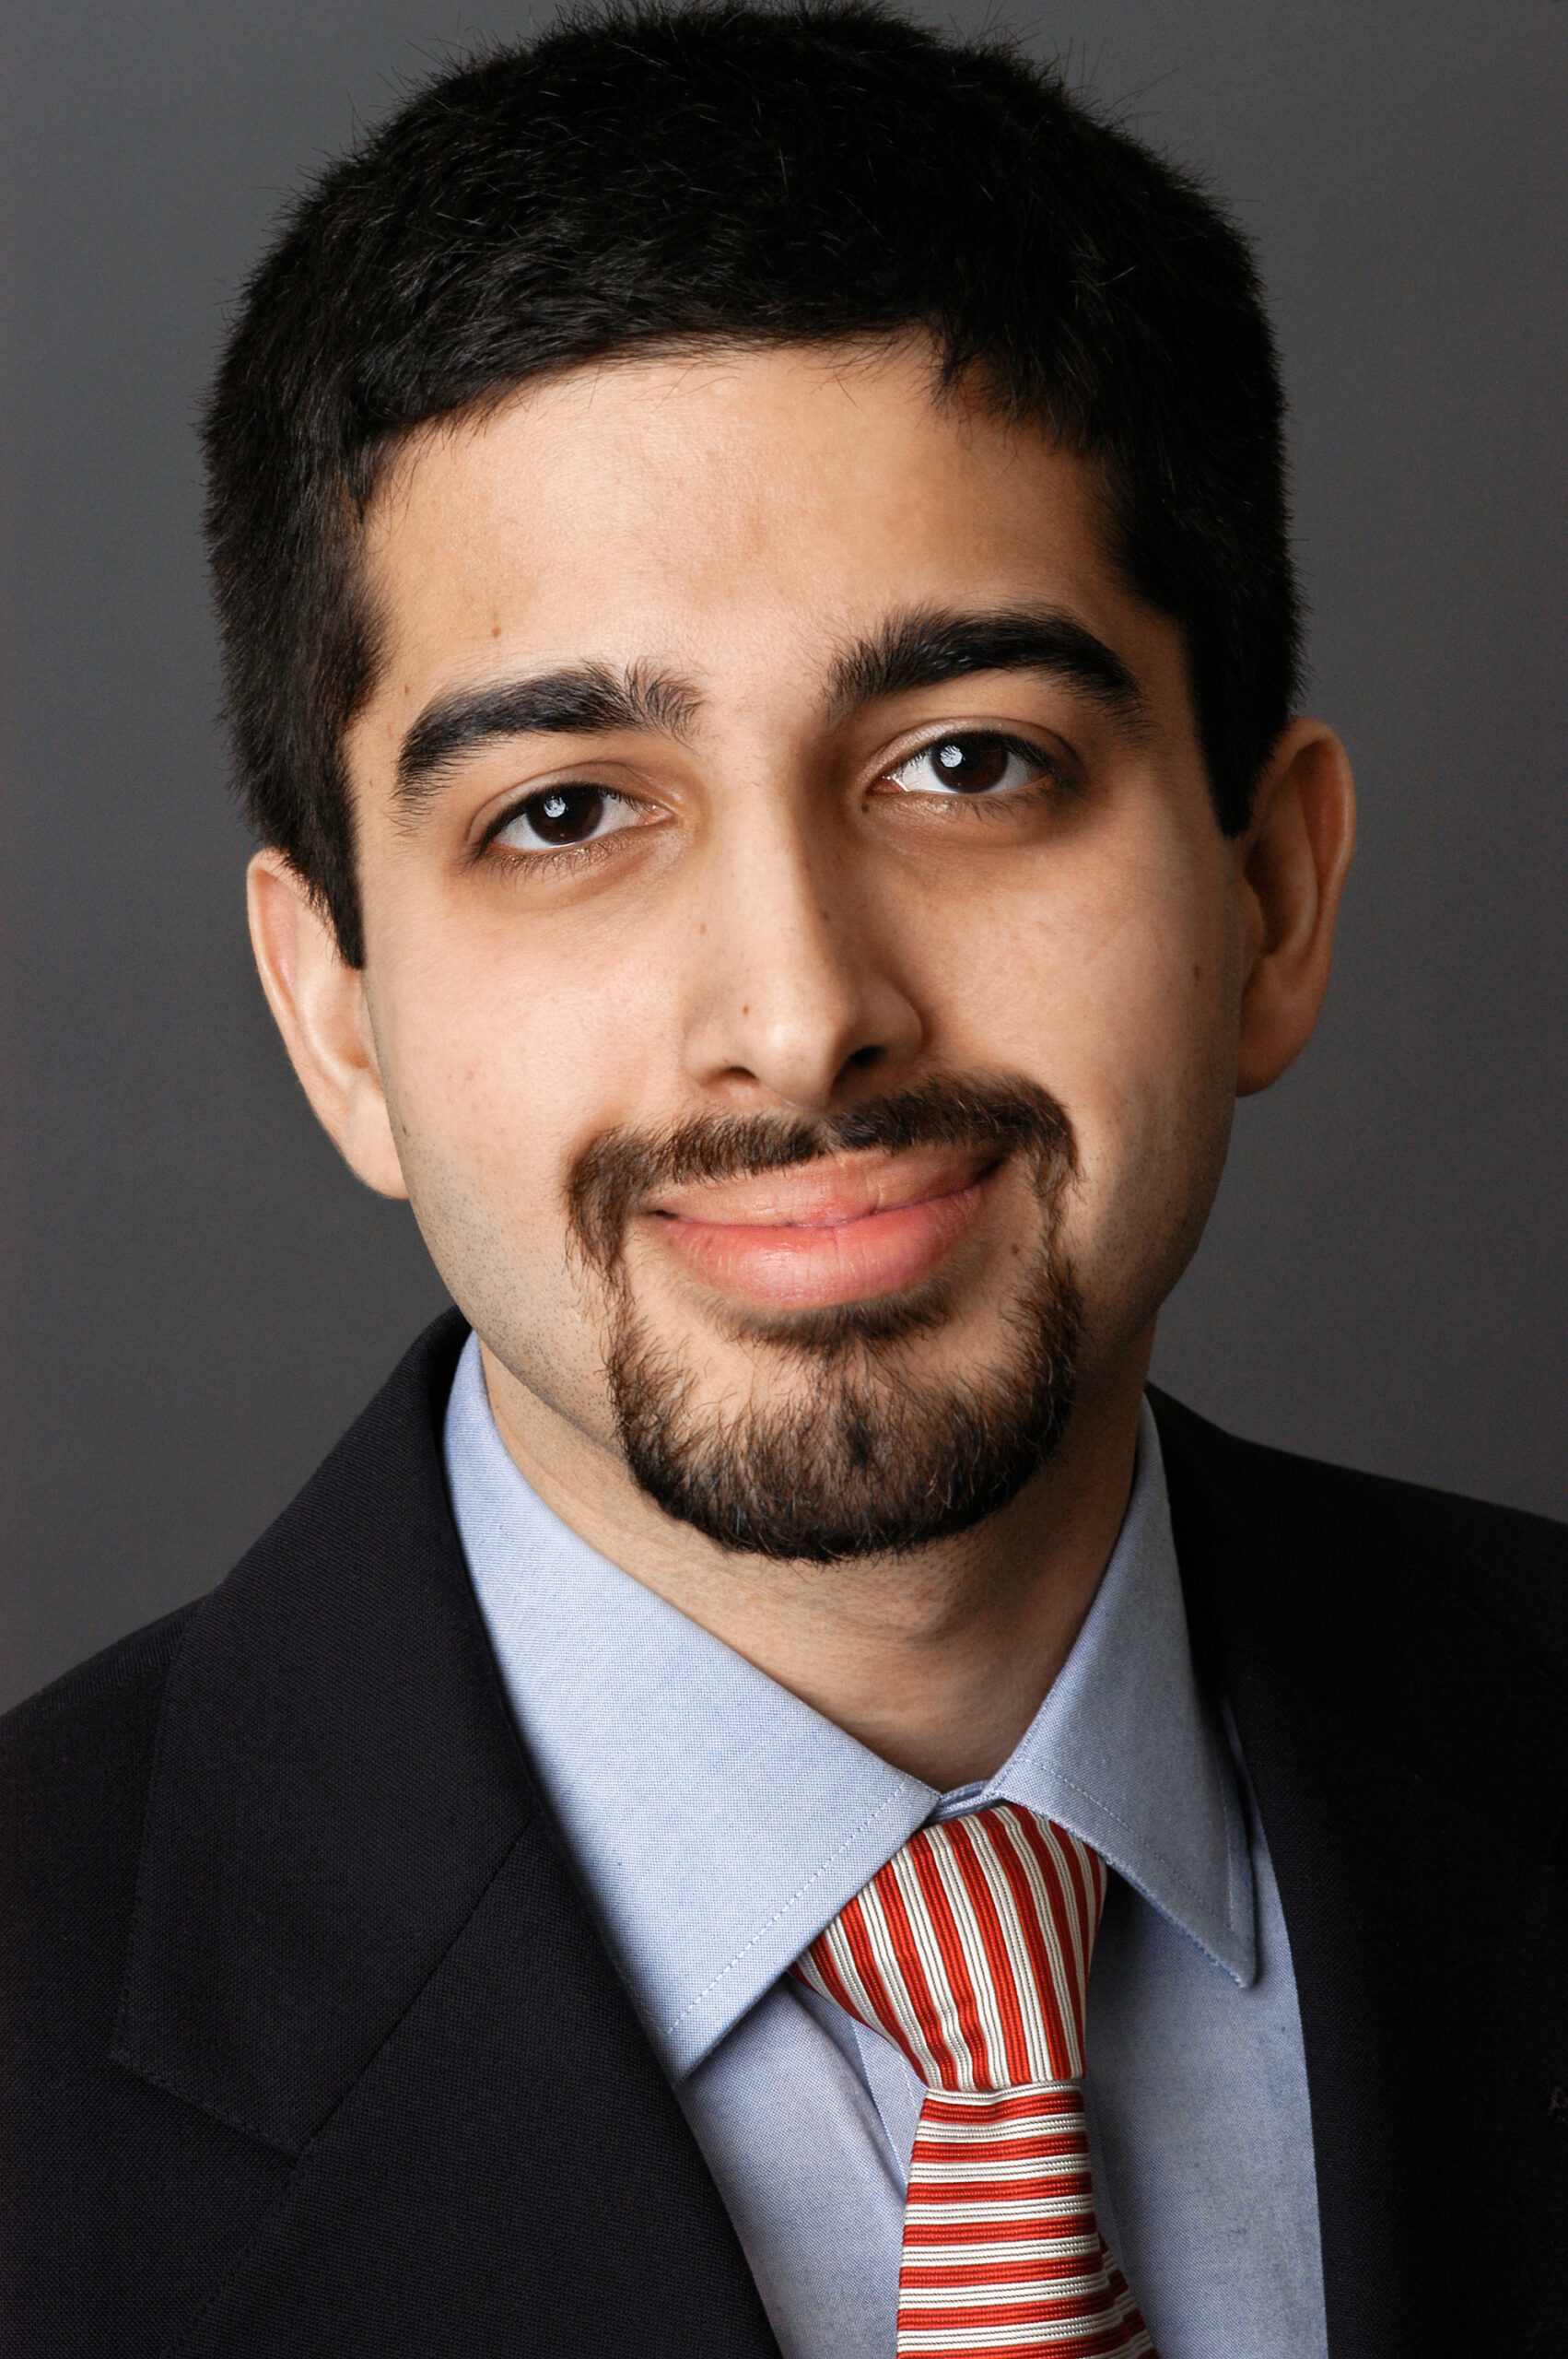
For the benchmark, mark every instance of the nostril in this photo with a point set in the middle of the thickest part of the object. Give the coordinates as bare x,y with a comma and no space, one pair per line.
861,1058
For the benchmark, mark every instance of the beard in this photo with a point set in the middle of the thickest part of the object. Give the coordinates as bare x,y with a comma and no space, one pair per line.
871,1457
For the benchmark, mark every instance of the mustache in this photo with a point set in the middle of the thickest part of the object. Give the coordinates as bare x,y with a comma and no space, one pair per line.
998,1115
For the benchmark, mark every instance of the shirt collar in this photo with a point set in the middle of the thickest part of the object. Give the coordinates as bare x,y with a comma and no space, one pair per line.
718,1823
1125,1753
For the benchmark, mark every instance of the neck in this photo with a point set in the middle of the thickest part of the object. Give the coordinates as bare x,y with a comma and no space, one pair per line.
937,1659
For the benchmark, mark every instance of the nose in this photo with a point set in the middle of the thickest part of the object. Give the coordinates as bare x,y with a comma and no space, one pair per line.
798,994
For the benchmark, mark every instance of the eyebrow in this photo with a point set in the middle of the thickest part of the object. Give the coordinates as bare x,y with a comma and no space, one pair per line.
584,699
923,649
930,646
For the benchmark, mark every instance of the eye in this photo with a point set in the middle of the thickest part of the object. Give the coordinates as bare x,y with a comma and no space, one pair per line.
560,817
977,762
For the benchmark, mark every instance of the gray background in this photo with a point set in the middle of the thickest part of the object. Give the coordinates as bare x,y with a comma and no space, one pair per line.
196,1296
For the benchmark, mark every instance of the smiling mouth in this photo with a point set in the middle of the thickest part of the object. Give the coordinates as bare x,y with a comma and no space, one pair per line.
842,1230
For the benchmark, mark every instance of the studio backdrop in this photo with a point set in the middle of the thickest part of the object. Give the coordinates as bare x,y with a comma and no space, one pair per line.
197,1297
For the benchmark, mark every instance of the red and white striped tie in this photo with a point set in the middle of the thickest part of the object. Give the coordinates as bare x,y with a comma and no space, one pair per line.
970,1950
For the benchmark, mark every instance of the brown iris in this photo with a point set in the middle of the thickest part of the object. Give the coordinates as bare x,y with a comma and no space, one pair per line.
565,815
972,765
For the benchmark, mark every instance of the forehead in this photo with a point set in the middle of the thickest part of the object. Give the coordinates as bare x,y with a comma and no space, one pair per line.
696,506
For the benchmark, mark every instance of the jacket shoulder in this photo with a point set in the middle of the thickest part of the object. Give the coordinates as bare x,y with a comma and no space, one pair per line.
76,1767
85,2141
1512,1564
77,1757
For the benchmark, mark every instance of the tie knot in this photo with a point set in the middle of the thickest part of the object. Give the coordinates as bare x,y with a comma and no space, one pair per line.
970,1950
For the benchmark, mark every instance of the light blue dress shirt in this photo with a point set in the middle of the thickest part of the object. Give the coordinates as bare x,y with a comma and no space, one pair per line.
718,1823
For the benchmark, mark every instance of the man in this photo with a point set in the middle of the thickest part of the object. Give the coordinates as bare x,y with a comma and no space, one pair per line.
752,559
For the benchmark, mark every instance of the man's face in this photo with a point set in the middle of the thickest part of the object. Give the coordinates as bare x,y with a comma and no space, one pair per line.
802,959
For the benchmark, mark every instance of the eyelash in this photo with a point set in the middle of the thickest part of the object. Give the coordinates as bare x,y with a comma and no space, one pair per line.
1054,777
1050,784
560,856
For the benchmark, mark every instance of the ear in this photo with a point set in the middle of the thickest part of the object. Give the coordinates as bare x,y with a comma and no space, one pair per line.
318,1002
1291,869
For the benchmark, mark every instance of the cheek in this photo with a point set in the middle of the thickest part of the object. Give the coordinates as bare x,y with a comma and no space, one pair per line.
500,1063
1112,966
1155,1096
493,1089
1116,990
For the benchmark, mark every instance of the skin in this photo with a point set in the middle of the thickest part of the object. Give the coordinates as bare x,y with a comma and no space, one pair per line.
800,917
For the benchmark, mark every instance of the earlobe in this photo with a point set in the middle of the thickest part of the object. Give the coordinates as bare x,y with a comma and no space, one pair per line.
318,1002
1291,866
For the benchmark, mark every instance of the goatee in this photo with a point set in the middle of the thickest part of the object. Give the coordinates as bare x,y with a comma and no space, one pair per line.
871,1458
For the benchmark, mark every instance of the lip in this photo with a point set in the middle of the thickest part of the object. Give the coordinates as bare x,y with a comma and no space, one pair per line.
842,1230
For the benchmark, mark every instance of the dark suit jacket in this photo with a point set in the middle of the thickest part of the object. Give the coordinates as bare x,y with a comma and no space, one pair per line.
312,2049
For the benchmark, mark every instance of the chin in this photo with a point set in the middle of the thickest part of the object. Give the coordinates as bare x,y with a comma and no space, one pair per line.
887,1436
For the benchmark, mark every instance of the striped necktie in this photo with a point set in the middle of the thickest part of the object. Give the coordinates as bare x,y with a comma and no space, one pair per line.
970,1951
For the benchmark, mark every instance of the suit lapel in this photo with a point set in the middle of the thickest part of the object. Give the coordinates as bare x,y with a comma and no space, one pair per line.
356,1939
1408,1754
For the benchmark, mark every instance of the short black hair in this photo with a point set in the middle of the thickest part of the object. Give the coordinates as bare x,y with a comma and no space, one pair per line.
659,177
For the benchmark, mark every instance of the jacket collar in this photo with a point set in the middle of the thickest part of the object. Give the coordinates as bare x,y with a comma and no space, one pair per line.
337,1782
1409,1616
